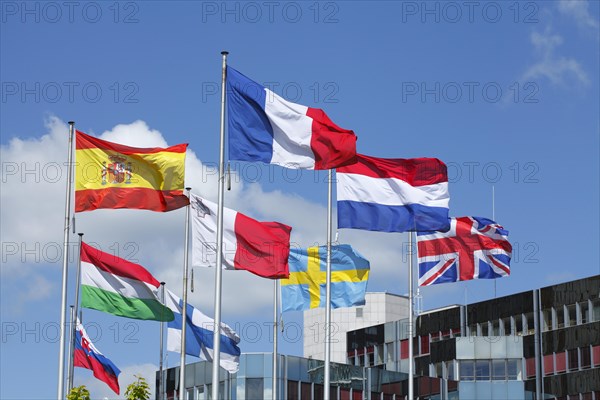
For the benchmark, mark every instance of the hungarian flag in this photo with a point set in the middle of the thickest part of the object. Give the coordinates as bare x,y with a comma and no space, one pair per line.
86,355
111,175
259,247
117,286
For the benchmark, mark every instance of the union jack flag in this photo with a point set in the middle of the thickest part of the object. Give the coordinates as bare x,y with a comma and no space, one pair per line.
473,248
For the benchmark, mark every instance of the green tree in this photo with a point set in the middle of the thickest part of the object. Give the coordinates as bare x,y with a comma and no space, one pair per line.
79,393
138,390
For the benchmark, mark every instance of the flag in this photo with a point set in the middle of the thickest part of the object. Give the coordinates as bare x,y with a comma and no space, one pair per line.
305,289
86,355
473,248
258,247
117,286
199,335
393,195
110,175
265,127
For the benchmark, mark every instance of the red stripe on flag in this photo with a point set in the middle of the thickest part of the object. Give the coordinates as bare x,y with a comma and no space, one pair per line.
137,198
115,265
332,146
84,141
414,171
442,270
263,248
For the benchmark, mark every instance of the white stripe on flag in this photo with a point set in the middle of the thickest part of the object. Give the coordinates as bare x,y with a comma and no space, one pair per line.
390,191
126,287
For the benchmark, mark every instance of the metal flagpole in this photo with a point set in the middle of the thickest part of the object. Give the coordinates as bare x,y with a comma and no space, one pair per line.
275,334
410,318
60,393
218,278
73,321
184,301
326,376
160,360
494,219
71,341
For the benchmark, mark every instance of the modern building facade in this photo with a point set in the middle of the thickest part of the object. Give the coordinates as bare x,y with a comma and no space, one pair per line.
379,308
538,344
544,341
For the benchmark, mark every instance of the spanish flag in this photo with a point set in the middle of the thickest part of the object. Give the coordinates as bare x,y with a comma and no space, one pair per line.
110,175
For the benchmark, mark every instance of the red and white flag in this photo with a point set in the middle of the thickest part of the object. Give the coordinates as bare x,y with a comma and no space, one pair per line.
262,248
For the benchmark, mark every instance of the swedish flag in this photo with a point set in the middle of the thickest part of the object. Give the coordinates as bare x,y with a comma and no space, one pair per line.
305,287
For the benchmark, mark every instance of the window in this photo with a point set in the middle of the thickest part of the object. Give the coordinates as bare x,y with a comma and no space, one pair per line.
573,359
530,324
359,312
450,370
482,370
560,316
306,393
518,325
292,390
585,312
596,309
586,357
484,329
495,328
549,364
512,369
572,313
190,394
561,363
498,370
467,370
547,319
506,327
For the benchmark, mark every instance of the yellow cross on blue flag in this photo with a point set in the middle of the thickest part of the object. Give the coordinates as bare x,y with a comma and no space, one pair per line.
305,288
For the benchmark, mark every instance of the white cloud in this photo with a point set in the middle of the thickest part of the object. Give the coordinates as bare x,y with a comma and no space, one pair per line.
579,11
551,66
33,215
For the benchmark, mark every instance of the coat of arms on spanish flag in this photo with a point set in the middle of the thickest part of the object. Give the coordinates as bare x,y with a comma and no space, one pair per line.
111,175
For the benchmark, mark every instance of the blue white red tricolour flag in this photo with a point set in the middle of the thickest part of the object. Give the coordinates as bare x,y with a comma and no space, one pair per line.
86,355
473,248
393,195
265,127
199,335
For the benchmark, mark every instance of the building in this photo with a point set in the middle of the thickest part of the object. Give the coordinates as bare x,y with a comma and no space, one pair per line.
379,308
544,341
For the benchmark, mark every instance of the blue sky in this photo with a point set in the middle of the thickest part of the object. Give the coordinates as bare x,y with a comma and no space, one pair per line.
505,93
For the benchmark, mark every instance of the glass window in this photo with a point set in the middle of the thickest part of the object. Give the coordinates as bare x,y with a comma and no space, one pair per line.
190,394
254,388
573,359
560,362
292,390
438,370
498,370
467,370
549,364
482,370
319,392
584,308
547,319
596,309
359,312
560,316
450,370
530,324
572,313
518,325
484,329
472,330
512,369
495,328
306,391
586,357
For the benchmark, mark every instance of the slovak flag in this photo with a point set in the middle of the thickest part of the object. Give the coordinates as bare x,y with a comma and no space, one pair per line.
393,194
265,127
473,248
259,247
86,355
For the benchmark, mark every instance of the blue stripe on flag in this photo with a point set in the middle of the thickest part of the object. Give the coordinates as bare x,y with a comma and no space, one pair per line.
383,218
250,132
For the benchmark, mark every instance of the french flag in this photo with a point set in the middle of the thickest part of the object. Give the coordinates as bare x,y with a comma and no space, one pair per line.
262,248
86,355
393,195
265,127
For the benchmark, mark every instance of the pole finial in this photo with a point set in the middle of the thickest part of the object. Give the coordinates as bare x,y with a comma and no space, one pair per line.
162,284
224,52
188,188
80,234
71,122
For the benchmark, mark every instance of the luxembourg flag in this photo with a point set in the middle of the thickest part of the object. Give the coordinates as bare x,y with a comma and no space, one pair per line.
265,127
262,248
393,195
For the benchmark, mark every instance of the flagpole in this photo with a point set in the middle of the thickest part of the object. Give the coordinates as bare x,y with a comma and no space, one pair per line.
184,301
70,361
218,278
73,322
275,325
410,318
494,219
326,376
60,394
162,329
